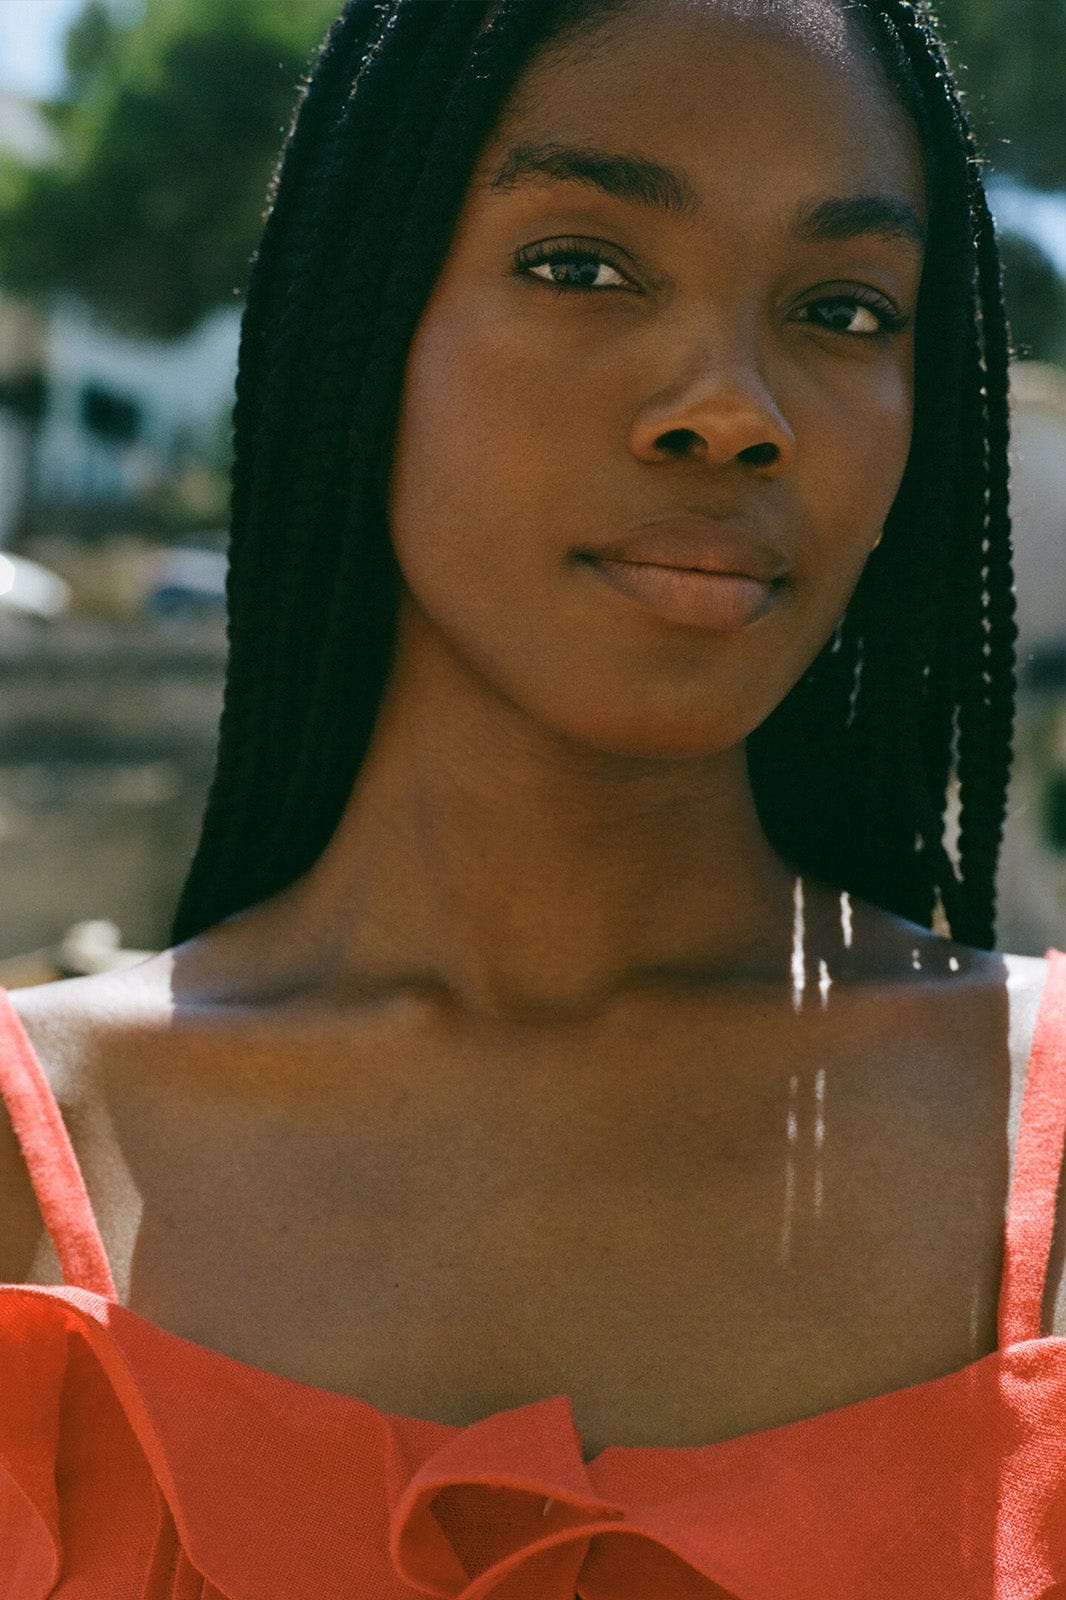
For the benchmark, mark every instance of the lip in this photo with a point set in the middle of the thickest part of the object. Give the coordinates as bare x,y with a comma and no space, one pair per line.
700,542
698,570
718,602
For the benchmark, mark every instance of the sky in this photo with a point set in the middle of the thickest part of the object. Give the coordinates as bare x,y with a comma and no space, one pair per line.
31,43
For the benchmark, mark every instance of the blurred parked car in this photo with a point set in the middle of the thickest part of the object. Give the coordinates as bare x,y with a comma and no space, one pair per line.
188,583
32,590
129,577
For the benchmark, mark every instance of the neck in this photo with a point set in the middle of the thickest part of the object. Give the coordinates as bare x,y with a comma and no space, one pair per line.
488,857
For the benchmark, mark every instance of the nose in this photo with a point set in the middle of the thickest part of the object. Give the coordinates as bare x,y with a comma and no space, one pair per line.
720,411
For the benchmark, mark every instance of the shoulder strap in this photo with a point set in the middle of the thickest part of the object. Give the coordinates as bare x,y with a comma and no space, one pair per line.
49,1154
1037,1167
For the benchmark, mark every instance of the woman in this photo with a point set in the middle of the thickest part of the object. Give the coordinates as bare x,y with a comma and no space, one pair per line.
558,1154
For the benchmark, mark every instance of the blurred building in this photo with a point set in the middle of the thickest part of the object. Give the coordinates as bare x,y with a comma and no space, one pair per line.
23,341
93,418
121,414
94,421
27,135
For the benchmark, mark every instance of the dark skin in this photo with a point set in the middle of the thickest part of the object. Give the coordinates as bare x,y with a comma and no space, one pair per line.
551,1069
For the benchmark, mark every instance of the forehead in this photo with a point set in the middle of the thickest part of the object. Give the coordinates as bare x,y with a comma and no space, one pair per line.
780,93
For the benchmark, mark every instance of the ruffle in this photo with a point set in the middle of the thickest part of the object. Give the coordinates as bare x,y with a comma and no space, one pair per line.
188,1465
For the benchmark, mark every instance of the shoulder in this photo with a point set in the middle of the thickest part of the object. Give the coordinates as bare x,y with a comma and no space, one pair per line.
74,1027
1000,994
963,985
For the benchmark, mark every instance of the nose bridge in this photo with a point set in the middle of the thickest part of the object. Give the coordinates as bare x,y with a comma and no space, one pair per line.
724,355
721,385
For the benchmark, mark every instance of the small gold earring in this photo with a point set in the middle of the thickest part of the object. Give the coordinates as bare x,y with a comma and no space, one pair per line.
877,541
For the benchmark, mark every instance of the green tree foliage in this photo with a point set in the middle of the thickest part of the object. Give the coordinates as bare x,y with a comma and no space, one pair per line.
1012,60
170,126
90,46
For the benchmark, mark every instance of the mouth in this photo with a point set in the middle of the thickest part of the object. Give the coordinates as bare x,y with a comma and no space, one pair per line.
719,573
718,602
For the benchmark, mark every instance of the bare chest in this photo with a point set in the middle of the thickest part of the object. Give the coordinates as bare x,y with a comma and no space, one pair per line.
689,1246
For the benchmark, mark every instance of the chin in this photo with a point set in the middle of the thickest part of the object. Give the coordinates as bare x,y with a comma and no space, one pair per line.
651,736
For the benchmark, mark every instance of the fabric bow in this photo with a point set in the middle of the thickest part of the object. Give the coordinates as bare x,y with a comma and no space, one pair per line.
508,1509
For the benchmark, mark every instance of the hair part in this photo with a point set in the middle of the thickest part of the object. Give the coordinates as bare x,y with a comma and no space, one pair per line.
909,705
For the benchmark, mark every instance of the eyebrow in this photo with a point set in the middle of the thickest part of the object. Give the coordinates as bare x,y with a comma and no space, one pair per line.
634,178
643,182
884,215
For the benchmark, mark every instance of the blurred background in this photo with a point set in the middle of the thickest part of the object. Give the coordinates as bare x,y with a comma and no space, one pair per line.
137,138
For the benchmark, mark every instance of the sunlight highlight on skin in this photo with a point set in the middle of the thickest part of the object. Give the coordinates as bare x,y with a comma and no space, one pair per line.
792,1129
819,1140
845,918
790,1169
799,970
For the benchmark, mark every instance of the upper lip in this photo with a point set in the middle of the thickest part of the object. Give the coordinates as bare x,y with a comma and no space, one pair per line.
702,541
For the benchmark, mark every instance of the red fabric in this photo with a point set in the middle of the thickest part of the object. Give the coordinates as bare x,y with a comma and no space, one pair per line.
136,1465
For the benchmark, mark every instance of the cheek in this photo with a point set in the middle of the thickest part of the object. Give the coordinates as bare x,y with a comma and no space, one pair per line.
441,428
865,428
488,429
464,472
888,419
853,444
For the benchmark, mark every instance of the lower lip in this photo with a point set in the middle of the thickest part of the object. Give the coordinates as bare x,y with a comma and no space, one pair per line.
719,601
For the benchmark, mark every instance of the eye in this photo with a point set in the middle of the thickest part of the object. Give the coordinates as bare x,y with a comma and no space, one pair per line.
567,265
860,316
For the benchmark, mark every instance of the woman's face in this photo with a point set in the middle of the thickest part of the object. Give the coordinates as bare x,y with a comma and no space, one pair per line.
731,345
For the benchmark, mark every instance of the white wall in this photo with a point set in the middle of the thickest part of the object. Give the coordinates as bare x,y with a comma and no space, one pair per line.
182,388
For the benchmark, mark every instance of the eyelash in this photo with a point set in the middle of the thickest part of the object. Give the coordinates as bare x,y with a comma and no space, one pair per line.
563,251
892,320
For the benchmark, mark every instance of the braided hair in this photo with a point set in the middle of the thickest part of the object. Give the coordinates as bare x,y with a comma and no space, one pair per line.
910,701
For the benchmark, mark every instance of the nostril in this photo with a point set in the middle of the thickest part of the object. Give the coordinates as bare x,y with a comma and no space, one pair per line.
678,441
683,441
760,455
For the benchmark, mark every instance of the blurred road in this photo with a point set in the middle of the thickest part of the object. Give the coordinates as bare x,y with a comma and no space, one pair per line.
107,735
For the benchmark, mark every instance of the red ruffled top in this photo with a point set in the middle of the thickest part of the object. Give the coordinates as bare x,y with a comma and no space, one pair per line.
137,1465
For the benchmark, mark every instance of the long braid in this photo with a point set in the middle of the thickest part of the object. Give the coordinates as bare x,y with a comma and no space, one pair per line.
983,646
850,773
986,741
927,533
231,804
333,319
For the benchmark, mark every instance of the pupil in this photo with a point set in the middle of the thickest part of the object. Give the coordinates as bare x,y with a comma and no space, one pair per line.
586,272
